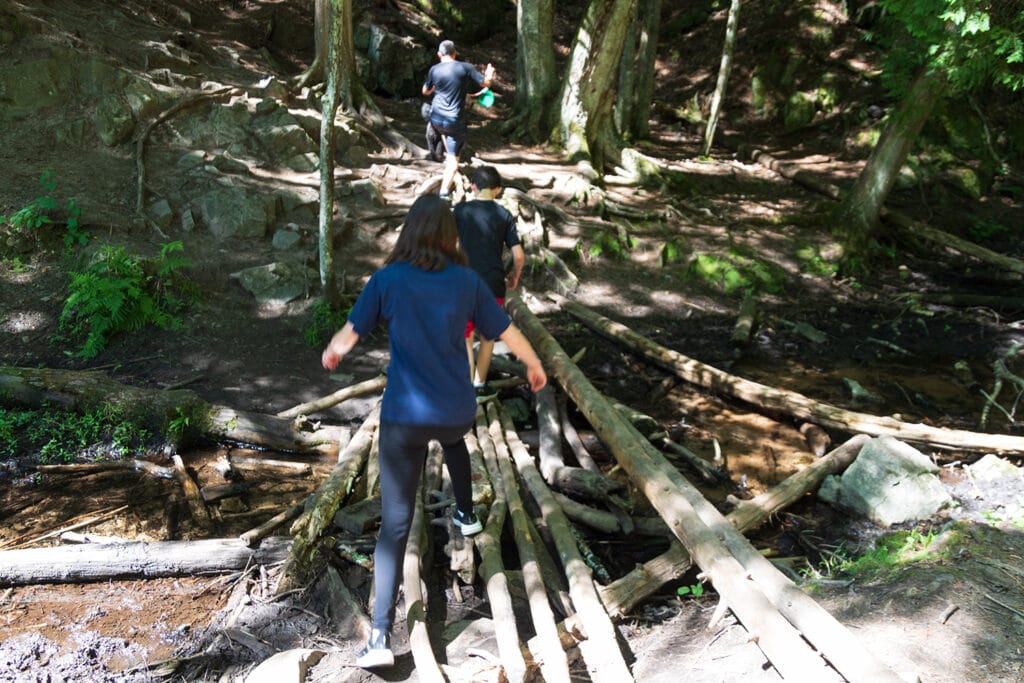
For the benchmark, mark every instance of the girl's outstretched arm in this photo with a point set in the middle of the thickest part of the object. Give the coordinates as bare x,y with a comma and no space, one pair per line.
339,346
519,345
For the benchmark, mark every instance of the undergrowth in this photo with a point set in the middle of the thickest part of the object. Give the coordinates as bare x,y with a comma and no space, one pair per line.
121,292
52,435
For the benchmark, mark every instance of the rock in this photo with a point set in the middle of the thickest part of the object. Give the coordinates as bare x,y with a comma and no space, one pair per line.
161,213
277,283
992,468
799,110
233,212
286,239
890,482
367,190
114,121
290,666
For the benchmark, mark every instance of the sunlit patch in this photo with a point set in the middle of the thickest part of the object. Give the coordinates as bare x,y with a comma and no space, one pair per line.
18,322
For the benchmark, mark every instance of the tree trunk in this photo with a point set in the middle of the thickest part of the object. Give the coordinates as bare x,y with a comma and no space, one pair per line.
709,538
857,217
329,107
790,403
536,79
321,33
85,391
589,88
647,56
731,26
82,563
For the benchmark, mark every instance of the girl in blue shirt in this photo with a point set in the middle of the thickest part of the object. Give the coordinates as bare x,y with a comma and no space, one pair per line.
426,294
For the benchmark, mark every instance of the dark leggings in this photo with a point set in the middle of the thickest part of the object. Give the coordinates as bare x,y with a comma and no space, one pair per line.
403,452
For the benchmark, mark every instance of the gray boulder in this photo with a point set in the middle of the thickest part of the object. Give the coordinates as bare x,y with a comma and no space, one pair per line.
234,212
277,283
889,482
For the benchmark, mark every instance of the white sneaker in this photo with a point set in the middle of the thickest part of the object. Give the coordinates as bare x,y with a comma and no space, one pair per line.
377,652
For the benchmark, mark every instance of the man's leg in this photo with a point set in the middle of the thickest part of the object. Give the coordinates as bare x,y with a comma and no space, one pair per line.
451,165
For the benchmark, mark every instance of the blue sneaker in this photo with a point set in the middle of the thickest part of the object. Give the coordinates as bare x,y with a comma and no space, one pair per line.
377,652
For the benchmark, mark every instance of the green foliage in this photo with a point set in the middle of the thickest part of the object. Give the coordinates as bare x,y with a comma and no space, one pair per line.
890,553
973,42
612,244
120,292
695,590
54,435
734,272
27,227
984,229
812,262
324,321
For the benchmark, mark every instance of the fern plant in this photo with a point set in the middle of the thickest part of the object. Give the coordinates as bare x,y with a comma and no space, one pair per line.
27,226
117,293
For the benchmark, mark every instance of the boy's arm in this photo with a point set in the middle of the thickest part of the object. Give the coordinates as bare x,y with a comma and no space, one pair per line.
518,260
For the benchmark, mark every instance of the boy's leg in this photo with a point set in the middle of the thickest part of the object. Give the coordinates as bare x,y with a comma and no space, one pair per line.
483,361
469,352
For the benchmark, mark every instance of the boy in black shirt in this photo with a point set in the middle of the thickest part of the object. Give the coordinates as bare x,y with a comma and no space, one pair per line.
485,228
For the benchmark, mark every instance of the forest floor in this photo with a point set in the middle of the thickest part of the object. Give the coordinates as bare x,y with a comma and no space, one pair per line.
953,613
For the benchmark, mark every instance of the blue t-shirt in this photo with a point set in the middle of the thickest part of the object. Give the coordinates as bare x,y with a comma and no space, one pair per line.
426,313
451,81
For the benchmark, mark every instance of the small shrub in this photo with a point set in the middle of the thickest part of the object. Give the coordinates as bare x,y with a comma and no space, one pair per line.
54,436
324,321
27,228
119,292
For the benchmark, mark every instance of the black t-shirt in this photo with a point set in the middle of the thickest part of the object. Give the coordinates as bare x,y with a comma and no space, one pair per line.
451,81
485,228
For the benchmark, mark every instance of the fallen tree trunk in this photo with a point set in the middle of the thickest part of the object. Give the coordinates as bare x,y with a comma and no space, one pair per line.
85,391
781,401
85,468
417,551
308,528
709,538
96,562
368,387
623,594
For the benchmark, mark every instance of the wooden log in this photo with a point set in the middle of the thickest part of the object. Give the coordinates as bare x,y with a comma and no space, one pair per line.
572,437
75,537
623,594
362,388
359,517
345,609
492,569
556,666
790,403
196,505
85,468
427,668
252,537
211,494
308,528
608,663
744,322
692,519
148,560
280,468
85,391
611,522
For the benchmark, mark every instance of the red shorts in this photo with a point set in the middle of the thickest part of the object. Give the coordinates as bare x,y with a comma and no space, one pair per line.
470,327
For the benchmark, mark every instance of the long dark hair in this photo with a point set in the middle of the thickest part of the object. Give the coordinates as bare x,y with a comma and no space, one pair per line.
429,239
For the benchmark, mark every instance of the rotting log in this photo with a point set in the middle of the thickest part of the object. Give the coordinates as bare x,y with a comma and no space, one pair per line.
308,528
556,666
744,322
572,438
576,481
148,560
492,568
710,539
611,522
367,387
281,468
254,536
194,498
85,391
623,594
86,468
791,403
